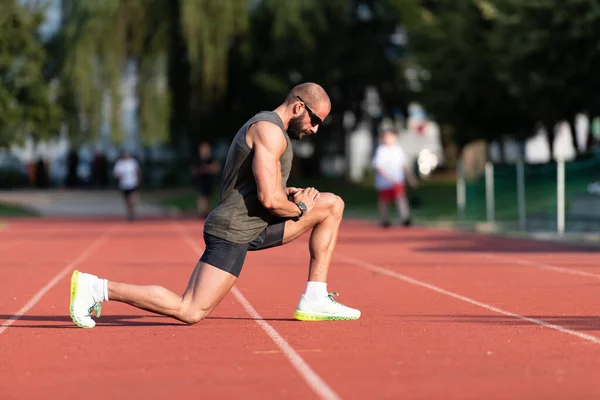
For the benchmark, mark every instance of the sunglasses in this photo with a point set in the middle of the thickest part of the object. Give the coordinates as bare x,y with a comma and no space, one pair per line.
314,118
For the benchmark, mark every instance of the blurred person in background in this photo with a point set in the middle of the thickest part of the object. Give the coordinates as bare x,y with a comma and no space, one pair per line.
99,170
204,171
128,172
42,180
72,179
391,171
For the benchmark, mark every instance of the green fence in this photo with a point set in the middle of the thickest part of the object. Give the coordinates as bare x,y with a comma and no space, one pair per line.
540,193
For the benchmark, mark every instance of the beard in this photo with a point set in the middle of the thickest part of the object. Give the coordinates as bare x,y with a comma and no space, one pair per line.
294,129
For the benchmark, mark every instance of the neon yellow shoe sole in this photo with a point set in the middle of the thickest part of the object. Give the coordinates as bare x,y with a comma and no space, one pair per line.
302,316
74,286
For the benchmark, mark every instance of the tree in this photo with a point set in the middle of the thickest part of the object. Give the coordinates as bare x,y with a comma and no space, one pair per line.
448,42
26,109
549,56
178,49
203,64
346,47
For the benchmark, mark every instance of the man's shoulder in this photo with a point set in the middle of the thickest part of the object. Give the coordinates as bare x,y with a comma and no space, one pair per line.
264,126
266,132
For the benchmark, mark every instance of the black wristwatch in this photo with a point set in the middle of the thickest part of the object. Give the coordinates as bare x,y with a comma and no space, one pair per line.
302,208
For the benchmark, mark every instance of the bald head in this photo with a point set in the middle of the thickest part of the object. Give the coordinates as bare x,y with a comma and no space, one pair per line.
304,110
314,96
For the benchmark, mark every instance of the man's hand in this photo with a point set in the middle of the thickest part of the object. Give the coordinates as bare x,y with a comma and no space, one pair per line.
308,196
291,191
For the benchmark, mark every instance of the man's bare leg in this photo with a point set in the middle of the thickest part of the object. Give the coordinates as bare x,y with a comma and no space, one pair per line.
208,285
324,220
316,304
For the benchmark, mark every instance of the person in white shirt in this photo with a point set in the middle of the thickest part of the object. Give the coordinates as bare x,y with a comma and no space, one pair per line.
391,171
128,172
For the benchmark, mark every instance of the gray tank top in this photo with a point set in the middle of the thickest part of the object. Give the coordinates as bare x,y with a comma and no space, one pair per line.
239,216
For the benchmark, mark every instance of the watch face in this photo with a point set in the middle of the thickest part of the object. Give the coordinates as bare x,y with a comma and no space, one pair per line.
301,206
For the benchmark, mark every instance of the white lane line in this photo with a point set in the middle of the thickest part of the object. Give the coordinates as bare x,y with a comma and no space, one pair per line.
541,265
316,383
85,254
457,296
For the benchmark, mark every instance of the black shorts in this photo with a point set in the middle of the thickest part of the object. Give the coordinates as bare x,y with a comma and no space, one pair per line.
128,192
230,256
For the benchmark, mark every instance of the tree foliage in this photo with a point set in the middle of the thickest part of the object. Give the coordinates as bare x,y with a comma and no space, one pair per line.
336,47
484,68
549,54
497,67
168,44
26,108
460,86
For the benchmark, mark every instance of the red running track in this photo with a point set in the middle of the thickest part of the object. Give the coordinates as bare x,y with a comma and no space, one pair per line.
445,315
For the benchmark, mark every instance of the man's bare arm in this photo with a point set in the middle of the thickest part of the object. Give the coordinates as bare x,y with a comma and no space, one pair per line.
269,144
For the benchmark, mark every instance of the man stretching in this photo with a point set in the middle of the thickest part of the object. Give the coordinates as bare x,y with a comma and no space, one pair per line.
255,211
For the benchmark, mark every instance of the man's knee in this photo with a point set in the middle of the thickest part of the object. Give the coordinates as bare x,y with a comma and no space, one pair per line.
333,203
194,315
338,206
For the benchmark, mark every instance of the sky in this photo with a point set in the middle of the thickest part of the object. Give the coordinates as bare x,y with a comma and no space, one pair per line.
52,21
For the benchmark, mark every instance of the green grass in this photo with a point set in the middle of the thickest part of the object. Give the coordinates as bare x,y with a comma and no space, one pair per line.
11,210
433,200
184,202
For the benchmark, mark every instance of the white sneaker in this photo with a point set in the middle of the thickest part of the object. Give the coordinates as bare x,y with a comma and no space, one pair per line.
324,309
82,300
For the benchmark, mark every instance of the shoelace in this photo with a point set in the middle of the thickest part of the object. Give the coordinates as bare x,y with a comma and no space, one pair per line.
335,303
332,295
96,307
